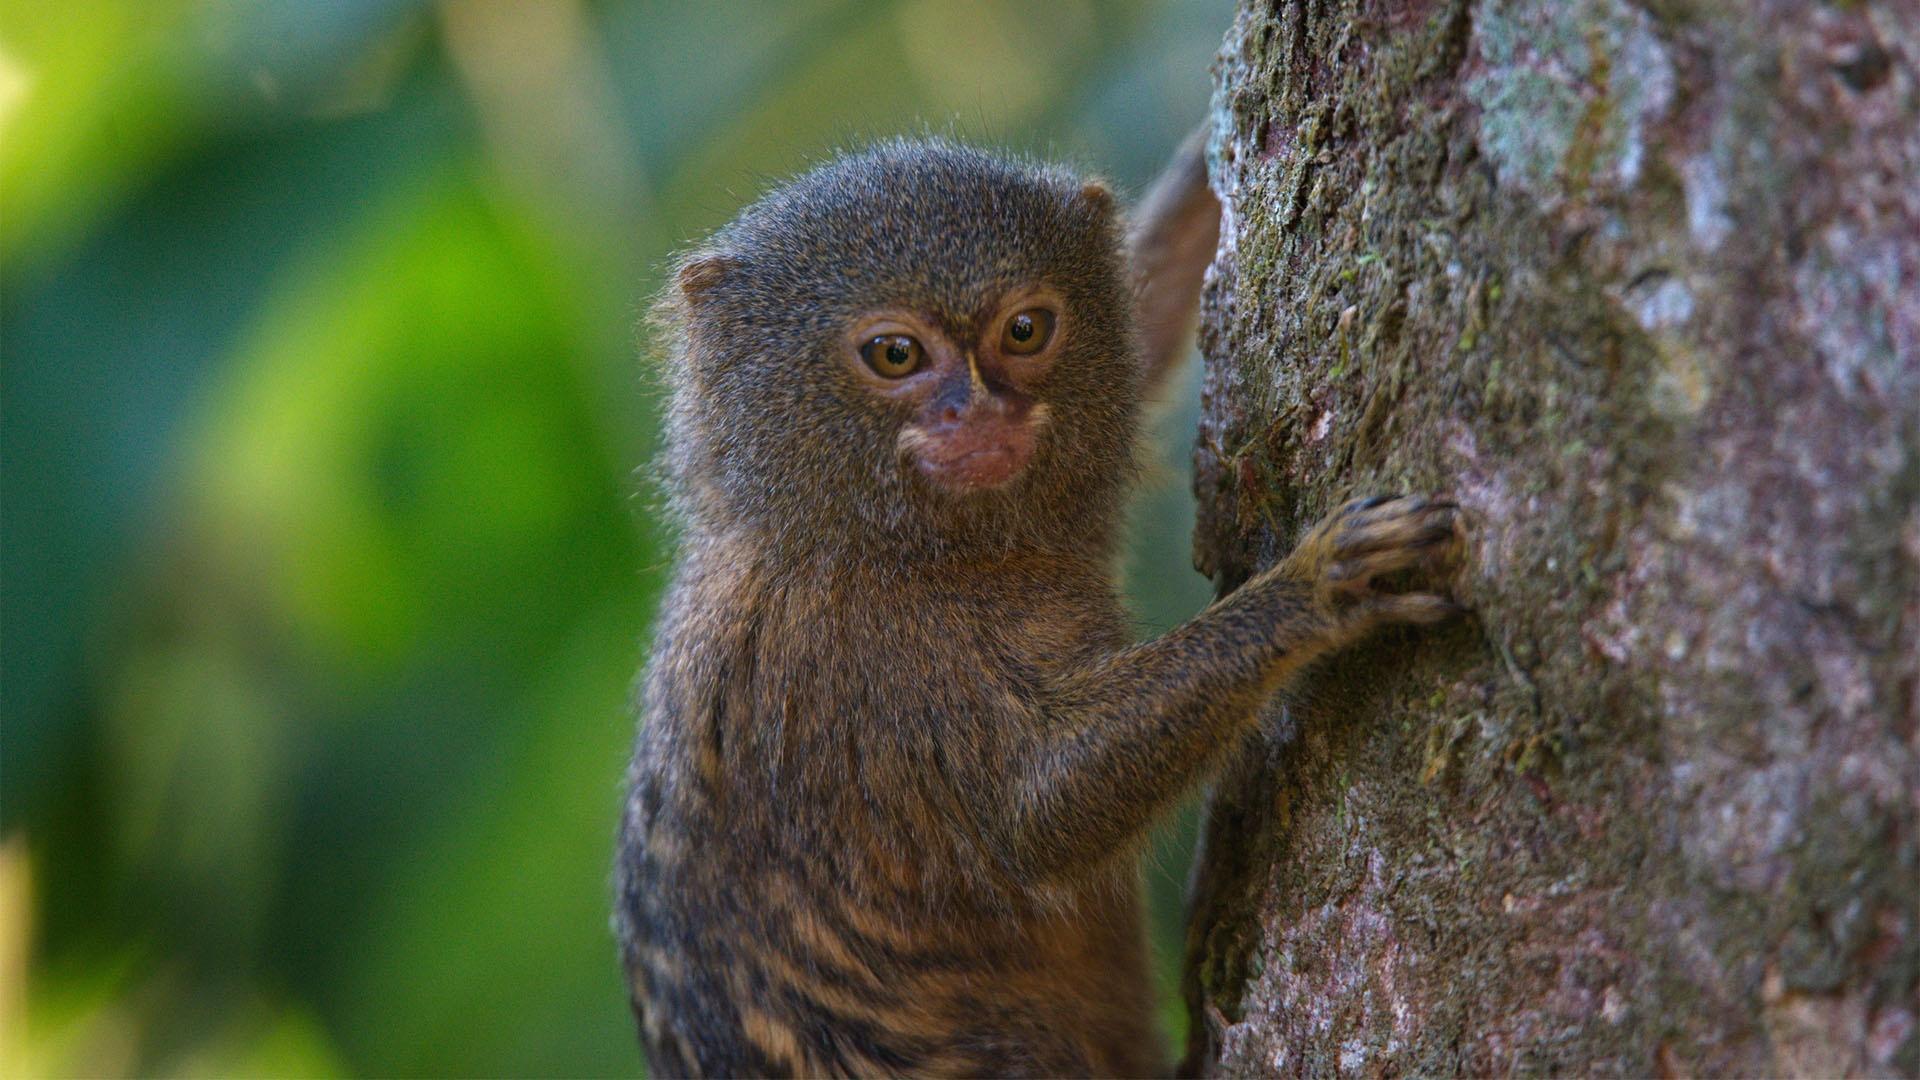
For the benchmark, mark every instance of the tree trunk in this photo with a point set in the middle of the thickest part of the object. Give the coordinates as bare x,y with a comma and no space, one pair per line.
1640,286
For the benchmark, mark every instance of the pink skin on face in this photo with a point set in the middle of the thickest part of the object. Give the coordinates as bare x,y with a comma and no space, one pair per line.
984,446
975,421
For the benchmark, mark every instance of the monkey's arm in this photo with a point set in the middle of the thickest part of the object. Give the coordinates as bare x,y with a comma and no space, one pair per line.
1144,724
1175,231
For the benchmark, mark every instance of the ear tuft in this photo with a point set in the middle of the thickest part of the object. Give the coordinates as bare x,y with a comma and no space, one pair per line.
700,275
1098,195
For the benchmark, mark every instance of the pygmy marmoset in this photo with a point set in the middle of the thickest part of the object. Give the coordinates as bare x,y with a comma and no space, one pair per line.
897,748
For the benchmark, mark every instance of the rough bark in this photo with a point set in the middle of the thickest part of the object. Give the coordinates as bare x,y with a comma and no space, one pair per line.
1640,285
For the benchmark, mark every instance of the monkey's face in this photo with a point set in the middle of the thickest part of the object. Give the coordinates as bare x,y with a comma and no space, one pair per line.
972,412
923,339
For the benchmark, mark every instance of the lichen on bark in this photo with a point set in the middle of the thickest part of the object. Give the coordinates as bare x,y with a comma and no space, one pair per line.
1640,286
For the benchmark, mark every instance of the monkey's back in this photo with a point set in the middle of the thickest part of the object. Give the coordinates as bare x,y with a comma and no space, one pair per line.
803,888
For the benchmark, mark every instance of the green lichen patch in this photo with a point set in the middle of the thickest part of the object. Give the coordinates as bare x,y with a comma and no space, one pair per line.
1567,91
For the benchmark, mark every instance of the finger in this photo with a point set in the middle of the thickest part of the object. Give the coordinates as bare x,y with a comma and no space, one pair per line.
1424,526
1419,609
1359,572
1387,505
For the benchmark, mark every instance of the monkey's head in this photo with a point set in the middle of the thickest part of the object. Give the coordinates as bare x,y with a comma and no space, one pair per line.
921,346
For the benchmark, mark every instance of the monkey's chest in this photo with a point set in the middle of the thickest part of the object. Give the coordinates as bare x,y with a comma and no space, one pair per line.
809,888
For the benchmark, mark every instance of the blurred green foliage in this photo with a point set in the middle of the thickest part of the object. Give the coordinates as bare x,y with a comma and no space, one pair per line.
325,567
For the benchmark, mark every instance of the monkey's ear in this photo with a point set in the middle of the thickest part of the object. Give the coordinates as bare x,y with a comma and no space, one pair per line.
1097,194
697,277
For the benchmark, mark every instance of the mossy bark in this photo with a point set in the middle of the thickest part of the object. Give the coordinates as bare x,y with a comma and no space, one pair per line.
1640,286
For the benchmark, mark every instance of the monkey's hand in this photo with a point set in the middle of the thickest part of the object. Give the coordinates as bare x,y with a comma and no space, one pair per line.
1134,729
1342,559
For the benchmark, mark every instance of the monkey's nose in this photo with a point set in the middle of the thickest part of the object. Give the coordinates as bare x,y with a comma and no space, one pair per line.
953,400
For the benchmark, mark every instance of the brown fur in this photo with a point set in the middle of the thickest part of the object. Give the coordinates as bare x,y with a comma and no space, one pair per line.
897,750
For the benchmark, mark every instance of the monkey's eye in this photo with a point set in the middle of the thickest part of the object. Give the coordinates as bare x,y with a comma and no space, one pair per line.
1027,332
894,356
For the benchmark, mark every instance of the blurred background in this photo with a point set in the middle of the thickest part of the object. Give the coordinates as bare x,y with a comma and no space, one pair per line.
326,554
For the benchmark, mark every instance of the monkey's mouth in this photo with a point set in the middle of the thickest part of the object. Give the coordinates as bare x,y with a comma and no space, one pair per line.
974,455
985,468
